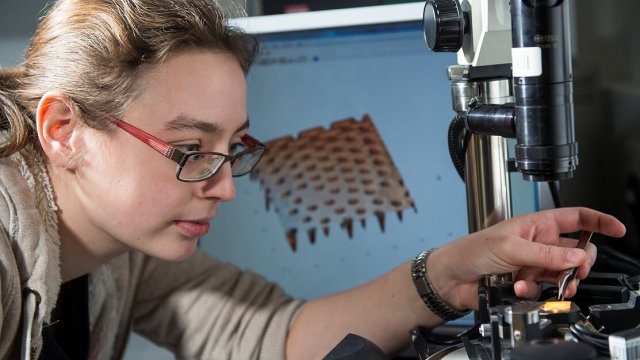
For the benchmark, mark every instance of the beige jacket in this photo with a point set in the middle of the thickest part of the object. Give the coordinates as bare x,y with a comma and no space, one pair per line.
198,309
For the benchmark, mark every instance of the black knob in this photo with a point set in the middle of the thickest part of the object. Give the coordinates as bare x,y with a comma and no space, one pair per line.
443,25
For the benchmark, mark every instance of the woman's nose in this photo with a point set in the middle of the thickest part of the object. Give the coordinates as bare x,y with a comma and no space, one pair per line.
220,186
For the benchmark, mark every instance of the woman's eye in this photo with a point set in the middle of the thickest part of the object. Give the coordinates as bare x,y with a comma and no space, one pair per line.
236,148
188,147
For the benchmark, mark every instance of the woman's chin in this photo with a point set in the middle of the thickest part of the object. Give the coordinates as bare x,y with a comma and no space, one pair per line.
179,251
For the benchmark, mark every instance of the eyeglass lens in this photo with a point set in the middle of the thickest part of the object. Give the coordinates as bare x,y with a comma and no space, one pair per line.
246,161
200,166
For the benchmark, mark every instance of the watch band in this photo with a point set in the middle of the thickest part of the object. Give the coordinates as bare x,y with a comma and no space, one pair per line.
429,296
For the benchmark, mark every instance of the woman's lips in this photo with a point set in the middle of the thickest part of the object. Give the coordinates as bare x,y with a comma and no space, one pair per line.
195,229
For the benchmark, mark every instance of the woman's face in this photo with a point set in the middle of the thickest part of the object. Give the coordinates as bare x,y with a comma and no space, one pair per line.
129,192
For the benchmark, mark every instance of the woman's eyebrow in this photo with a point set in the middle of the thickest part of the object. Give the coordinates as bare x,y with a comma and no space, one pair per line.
185,123
244,126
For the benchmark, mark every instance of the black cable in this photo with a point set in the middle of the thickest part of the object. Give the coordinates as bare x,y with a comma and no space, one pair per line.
598,340
458,138
589,332
447,340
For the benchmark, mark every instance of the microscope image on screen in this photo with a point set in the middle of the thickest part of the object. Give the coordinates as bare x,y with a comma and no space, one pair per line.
335,176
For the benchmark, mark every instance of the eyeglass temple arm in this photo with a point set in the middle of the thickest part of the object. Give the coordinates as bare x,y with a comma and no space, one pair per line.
162,147
158,145
251,142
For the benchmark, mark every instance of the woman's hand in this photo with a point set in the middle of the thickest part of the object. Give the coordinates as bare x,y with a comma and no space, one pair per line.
529,246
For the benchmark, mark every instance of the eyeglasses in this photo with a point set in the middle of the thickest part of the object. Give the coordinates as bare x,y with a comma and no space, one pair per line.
194,166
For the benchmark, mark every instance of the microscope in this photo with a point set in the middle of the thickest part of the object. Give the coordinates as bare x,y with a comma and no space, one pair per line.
513,85
514,80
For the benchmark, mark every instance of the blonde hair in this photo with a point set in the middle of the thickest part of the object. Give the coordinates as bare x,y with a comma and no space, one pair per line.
95,51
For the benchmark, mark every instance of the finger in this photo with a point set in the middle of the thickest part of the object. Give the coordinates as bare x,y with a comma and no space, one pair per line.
572,288
592,252
551,277
527,289
549,257
574,219
538,275
584,269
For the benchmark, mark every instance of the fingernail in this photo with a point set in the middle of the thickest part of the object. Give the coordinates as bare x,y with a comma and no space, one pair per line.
574,255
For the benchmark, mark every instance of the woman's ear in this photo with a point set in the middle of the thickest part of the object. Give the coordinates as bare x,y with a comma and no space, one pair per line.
57,126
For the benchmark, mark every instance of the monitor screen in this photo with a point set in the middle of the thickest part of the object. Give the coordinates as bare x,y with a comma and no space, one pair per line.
315,76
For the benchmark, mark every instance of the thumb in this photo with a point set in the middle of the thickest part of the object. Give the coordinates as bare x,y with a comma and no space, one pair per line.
552,257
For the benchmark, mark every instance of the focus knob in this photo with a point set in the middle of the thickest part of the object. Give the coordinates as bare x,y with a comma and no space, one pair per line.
443,25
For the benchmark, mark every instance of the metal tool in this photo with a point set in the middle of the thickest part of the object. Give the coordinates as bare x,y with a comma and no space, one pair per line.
570,274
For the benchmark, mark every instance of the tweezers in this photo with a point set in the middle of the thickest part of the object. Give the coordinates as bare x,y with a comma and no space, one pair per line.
570,274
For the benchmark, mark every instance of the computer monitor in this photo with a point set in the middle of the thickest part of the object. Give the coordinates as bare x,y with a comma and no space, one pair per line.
315,69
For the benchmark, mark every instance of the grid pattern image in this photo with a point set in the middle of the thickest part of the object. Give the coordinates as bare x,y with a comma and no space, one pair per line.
337,176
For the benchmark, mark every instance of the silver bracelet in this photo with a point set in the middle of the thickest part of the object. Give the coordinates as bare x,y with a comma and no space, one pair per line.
429,296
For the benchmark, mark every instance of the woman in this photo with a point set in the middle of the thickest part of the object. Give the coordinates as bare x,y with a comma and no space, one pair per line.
100,230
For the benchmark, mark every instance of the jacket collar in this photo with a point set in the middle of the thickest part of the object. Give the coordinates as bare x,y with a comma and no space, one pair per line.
32,225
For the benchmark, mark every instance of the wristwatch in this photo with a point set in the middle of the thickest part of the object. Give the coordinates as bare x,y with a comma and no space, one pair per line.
429,296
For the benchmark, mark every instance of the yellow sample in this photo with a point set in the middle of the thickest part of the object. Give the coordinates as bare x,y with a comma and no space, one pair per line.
556,306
